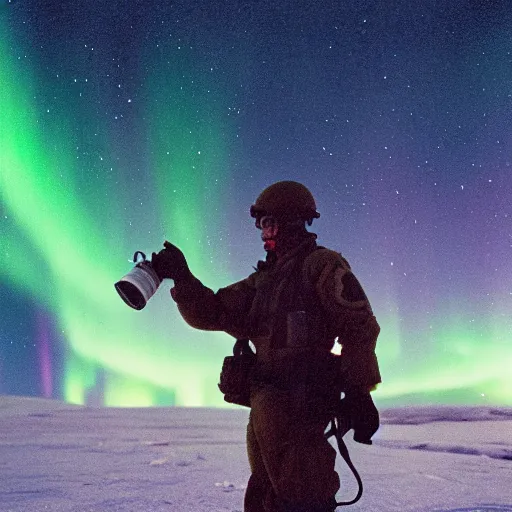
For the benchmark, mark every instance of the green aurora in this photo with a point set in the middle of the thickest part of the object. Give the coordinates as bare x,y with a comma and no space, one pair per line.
55,228
72,223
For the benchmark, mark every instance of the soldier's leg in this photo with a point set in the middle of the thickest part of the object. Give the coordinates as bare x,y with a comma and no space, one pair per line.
308,479
298,459
259,486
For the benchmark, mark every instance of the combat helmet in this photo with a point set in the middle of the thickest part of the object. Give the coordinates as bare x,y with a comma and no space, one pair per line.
286,199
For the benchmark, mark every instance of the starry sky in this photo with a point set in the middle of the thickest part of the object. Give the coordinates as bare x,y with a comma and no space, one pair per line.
124,124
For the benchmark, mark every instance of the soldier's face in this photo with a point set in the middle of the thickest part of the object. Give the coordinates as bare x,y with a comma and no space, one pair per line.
269,229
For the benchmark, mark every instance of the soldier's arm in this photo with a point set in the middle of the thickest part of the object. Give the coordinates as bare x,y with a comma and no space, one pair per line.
225,310
350,317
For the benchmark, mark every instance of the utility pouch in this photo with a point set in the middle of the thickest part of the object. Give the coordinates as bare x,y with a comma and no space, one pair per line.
297,332
235,377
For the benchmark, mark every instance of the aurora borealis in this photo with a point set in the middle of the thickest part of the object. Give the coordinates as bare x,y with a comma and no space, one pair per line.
123,124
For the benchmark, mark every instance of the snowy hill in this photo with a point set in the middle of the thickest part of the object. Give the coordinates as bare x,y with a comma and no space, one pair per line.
57,457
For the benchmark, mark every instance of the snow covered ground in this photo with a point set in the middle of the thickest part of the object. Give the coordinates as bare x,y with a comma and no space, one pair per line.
57,457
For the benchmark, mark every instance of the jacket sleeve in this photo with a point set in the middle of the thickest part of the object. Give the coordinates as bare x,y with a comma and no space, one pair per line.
227,310
350,317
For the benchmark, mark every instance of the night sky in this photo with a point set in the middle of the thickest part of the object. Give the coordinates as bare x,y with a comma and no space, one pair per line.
123,124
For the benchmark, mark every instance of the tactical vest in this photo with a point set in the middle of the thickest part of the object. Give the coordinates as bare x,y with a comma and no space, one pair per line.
286,309
283,291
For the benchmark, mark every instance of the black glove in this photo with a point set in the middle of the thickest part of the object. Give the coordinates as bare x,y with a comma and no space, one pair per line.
358,408
170,263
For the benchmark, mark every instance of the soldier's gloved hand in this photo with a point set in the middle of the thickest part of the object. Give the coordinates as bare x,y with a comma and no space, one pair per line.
170,263
364,416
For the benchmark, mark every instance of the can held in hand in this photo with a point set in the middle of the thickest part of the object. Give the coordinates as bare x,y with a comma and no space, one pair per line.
140,284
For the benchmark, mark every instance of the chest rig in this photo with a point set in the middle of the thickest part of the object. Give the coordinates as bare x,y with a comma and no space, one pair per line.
286,311
285,306
299,359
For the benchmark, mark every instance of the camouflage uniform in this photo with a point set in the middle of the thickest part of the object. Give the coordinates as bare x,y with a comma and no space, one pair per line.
292,464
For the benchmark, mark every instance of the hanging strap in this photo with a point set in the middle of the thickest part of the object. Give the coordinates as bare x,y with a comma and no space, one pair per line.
337,431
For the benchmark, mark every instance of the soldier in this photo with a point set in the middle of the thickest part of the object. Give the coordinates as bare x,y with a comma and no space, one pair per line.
293,307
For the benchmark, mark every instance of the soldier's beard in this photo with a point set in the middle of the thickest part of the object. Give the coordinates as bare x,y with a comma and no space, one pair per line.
283,238
269,232
269,239
269,245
